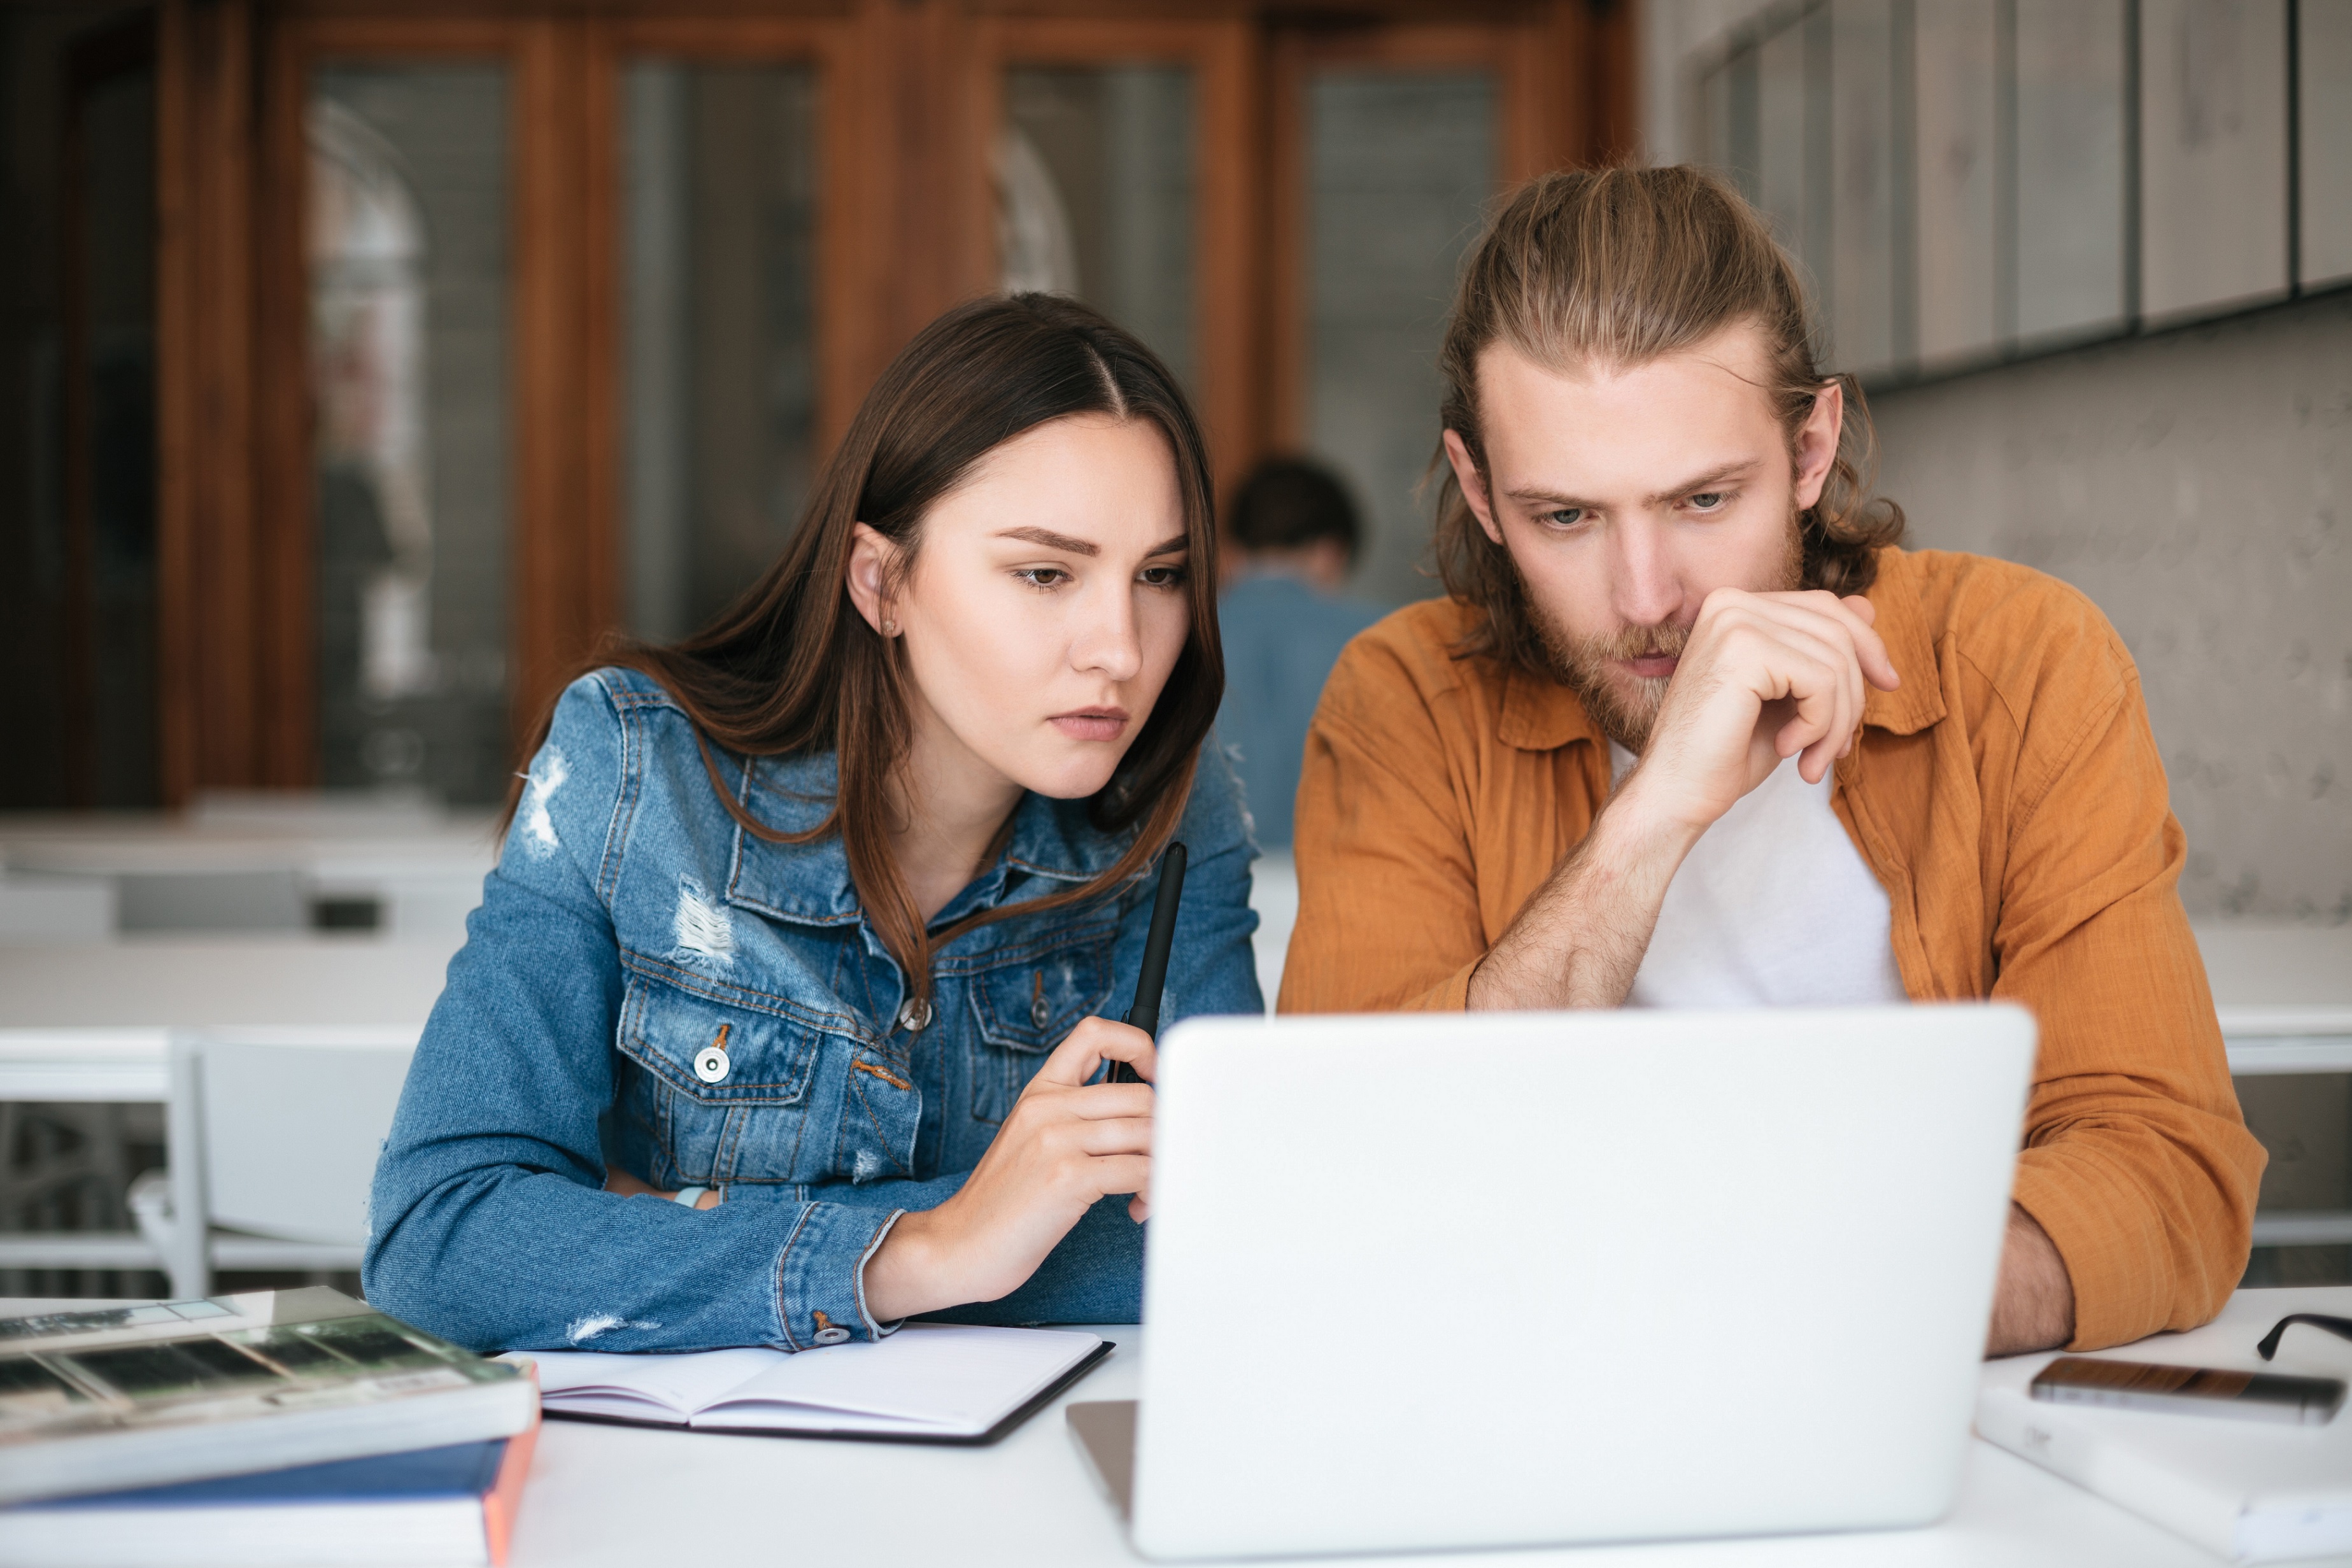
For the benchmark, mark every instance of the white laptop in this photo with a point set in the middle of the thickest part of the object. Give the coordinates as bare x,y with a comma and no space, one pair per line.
1421,1281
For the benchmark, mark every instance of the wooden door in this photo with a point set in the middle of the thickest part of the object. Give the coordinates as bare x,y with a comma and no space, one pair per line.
311,607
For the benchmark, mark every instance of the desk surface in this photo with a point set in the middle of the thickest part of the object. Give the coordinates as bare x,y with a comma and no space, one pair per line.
612,1495
627,1496
193,982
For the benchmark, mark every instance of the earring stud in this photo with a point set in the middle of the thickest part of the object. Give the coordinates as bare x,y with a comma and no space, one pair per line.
889,628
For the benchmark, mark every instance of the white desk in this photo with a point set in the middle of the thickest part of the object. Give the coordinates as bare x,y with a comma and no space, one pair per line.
2284,994
422,869
89,1023
611,1495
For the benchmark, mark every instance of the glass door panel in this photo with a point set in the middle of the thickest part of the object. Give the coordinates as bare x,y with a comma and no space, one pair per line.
407,249
1095,182
720,214
1399,164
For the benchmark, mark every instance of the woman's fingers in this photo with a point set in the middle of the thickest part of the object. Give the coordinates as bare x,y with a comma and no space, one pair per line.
1095,1041
1116,1174
1114,1135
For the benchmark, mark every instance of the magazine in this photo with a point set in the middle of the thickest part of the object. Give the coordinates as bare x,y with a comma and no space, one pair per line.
145,1395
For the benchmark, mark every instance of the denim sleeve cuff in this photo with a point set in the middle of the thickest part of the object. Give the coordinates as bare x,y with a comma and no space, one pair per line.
821,1274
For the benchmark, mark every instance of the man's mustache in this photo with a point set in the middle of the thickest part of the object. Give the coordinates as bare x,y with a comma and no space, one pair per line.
1667,641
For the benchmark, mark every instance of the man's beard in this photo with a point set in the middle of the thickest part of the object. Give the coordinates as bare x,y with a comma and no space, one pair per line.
1624,706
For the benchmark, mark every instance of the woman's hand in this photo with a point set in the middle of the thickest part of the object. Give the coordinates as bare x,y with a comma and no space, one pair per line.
1067,1144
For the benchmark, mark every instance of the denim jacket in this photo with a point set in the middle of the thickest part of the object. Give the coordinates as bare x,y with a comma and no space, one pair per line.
648,987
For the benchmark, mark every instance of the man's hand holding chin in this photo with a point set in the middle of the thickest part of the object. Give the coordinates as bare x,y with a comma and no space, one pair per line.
1763,677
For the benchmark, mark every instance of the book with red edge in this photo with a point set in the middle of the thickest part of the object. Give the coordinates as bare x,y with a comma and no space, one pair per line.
450,1507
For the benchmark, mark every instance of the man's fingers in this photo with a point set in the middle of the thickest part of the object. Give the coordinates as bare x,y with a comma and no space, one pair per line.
1870,648
1855,619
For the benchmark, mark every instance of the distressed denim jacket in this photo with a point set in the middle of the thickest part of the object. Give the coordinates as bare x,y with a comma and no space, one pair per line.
647,987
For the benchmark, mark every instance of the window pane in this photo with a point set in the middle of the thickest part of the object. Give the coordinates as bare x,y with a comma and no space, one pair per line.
1861,281
1095,183
1786,178
720,238
1957,104
2212,153
2324,55
2070,166
1399,165
1726,120
408,275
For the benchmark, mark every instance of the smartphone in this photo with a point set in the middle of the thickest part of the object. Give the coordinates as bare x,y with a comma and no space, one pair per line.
2190,1390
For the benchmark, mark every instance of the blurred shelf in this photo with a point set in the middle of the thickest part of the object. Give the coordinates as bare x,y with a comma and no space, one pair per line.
2291,1228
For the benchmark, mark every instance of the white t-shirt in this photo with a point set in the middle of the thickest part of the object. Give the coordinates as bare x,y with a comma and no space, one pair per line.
1774,907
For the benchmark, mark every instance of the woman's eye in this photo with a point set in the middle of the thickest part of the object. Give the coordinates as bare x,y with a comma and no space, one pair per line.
1563,516
1042,576
1709,500
1163,577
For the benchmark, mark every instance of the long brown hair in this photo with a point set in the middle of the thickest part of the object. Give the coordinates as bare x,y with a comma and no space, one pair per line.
1623,266
792,668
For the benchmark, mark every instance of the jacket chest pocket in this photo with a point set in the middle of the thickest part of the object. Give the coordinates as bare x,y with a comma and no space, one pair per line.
725,1094
1025,1007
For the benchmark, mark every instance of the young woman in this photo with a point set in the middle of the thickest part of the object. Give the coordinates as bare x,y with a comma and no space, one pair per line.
780,1017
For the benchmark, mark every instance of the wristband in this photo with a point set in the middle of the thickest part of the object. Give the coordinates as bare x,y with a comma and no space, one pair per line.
690,1196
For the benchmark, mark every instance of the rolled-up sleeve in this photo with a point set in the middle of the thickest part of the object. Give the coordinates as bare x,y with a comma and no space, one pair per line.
2136,1161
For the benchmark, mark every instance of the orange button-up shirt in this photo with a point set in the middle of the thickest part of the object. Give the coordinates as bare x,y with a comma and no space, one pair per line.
2008,795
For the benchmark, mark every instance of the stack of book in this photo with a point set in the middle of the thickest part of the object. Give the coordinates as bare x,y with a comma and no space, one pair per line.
277,1426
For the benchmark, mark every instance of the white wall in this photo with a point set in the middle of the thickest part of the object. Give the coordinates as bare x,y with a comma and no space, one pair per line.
2195,485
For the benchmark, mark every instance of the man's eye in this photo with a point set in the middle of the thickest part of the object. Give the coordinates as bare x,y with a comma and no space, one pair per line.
1162,575
1042,576
1563,518
1707,500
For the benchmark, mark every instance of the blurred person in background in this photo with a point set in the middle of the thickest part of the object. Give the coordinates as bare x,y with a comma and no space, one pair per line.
1291,539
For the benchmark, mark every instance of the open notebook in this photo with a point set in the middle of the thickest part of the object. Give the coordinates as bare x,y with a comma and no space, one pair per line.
928,1383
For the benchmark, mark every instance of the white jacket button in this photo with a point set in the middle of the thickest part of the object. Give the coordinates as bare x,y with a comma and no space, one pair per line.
710,1064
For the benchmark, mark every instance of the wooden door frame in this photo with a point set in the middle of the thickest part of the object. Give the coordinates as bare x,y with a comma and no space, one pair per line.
912,102
1226,198
1540,128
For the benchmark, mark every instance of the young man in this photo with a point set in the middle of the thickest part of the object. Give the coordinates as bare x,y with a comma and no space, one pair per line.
1690,730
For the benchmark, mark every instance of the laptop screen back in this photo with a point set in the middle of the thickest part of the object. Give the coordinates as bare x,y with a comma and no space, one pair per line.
1421,1281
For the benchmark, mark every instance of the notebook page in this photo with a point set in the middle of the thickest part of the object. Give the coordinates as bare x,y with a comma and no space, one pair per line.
648,1386
944,1375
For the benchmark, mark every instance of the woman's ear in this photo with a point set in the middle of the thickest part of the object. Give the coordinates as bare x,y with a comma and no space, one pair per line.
871,558
1817,442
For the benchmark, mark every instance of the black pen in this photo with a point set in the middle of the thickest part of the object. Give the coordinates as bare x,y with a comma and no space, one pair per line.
1153,976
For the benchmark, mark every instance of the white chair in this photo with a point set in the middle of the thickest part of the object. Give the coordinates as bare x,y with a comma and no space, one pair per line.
273,1137
1273,893
46,910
